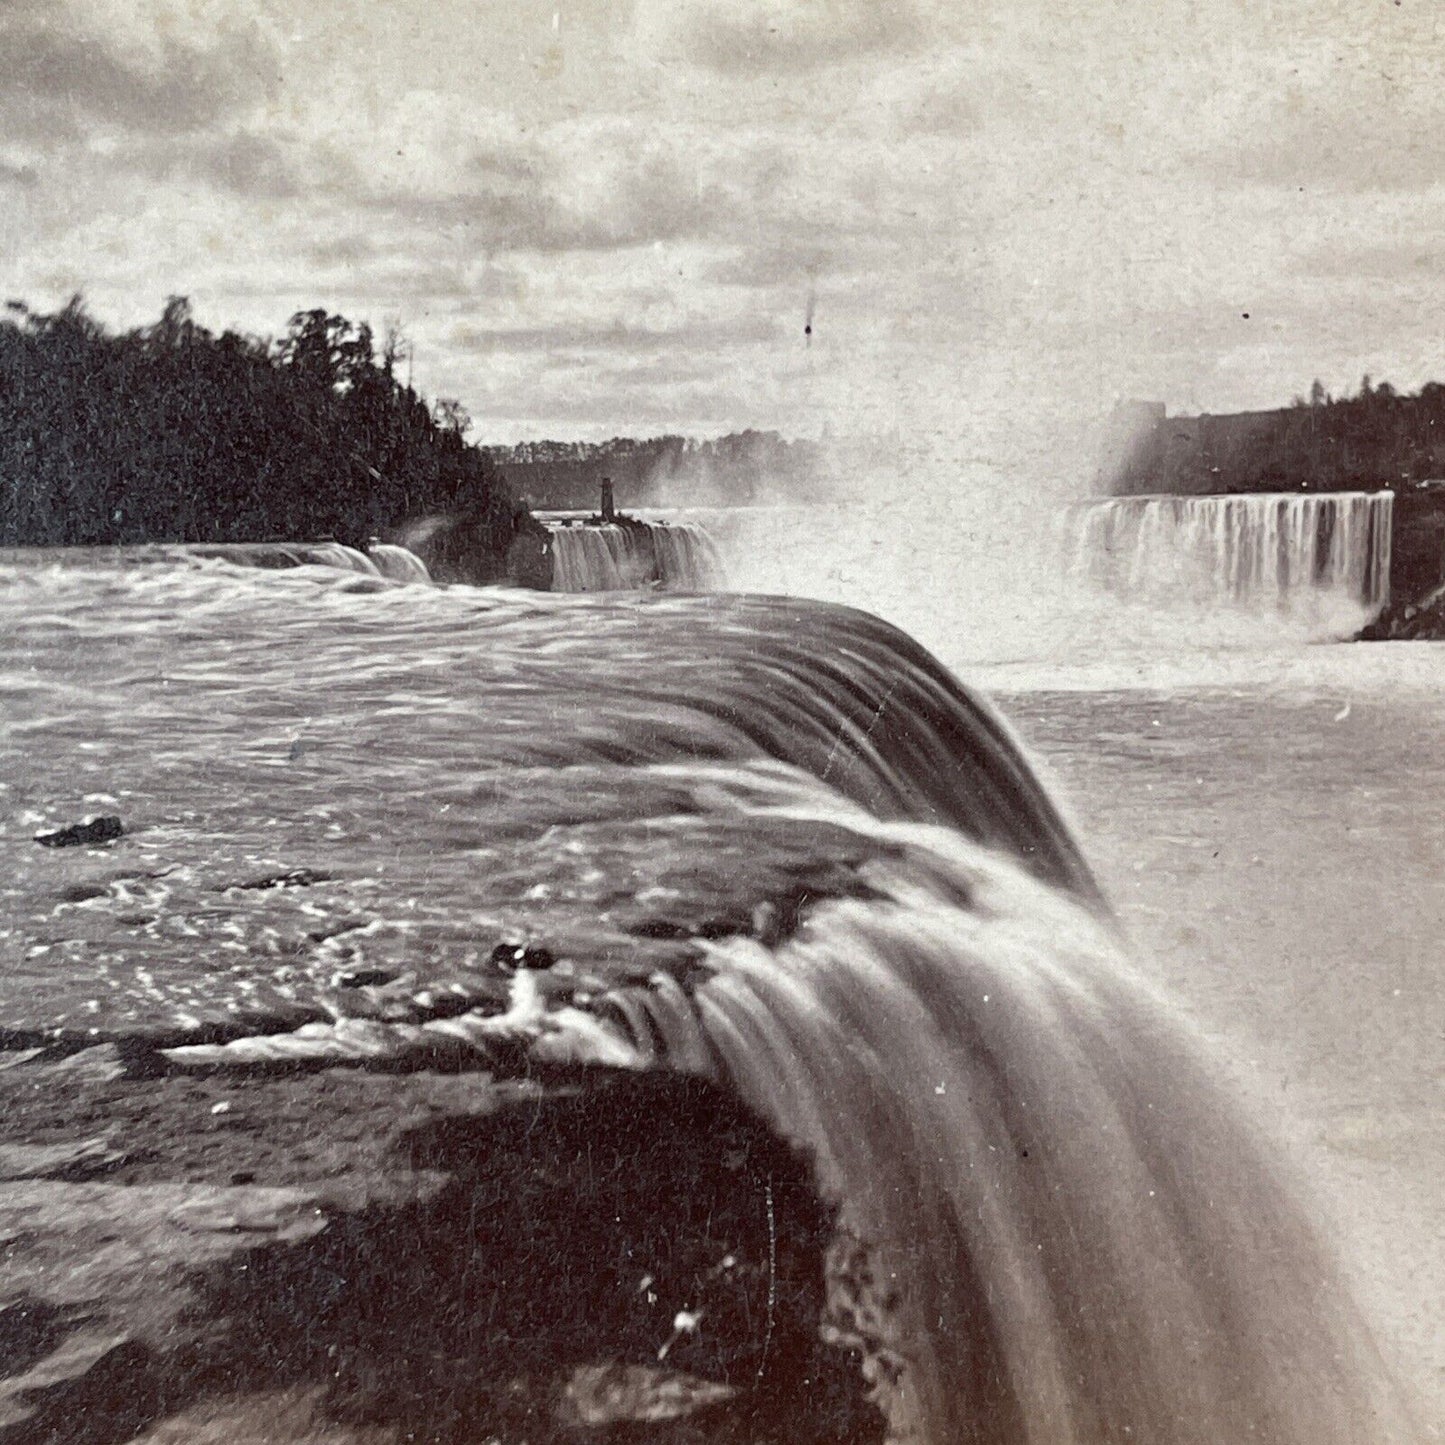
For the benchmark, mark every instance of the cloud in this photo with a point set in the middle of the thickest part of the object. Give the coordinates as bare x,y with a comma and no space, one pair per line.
60,77
1356,116
943,110
620,337
1409,253
793,36
256,167
1362,154
20,176
572,188
783,263
630,207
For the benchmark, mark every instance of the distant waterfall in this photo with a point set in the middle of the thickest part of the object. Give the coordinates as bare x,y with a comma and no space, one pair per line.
397,563
382,559
1265,549
335,554
617,557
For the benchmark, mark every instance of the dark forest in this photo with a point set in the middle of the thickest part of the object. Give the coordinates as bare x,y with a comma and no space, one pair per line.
1378,438
170,433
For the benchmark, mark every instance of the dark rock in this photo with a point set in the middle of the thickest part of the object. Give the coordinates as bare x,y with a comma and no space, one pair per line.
376,1260
510,957
292,878
1422,620
96,830
472,545
365,978
100,1063
529,560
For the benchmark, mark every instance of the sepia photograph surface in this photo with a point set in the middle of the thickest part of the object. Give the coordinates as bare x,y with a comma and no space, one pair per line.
721,722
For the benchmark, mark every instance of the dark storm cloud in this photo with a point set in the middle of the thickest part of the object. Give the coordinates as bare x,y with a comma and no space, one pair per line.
805,36
57,80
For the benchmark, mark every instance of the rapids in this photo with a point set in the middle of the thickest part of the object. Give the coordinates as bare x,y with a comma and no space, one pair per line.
768,841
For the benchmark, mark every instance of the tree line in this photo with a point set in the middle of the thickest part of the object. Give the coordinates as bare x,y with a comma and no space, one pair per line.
169,432
1379,437
742,467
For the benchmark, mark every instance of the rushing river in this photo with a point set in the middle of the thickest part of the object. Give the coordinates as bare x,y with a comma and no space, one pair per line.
905,966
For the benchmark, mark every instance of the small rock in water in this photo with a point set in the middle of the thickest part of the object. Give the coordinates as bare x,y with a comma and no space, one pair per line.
510,957
95,830
364,978
292,878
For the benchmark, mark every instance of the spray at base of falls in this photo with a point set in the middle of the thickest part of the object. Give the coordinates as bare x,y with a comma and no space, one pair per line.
616,557
1066,1235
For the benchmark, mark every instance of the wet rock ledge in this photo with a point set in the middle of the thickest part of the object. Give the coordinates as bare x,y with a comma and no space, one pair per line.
358,1258
1421,620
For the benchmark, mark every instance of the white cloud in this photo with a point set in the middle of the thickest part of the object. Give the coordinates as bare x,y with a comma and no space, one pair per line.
1008,207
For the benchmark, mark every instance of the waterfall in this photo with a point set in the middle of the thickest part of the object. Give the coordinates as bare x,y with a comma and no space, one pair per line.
1055,1228
616,557
397,563
335,554
687,557
1267,550
266,555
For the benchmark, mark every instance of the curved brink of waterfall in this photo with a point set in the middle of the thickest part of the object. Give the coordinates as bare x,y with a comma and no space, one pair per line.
1065,1234
383,559
1058,1229
398,563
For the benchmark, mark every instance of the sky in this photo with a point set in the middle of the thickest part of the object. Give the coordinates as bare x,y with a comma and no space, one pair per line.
602,217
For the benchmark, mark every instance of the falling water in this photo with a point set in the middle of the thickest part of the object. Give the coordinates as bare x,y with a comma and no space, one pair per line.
617,557
335,554
1065,1233
397,563
1251,550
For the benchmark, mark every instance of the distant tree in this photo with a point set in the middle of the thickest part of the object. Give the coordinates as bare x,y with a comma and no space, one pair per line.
452,415
393,349
177,325
1318,395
